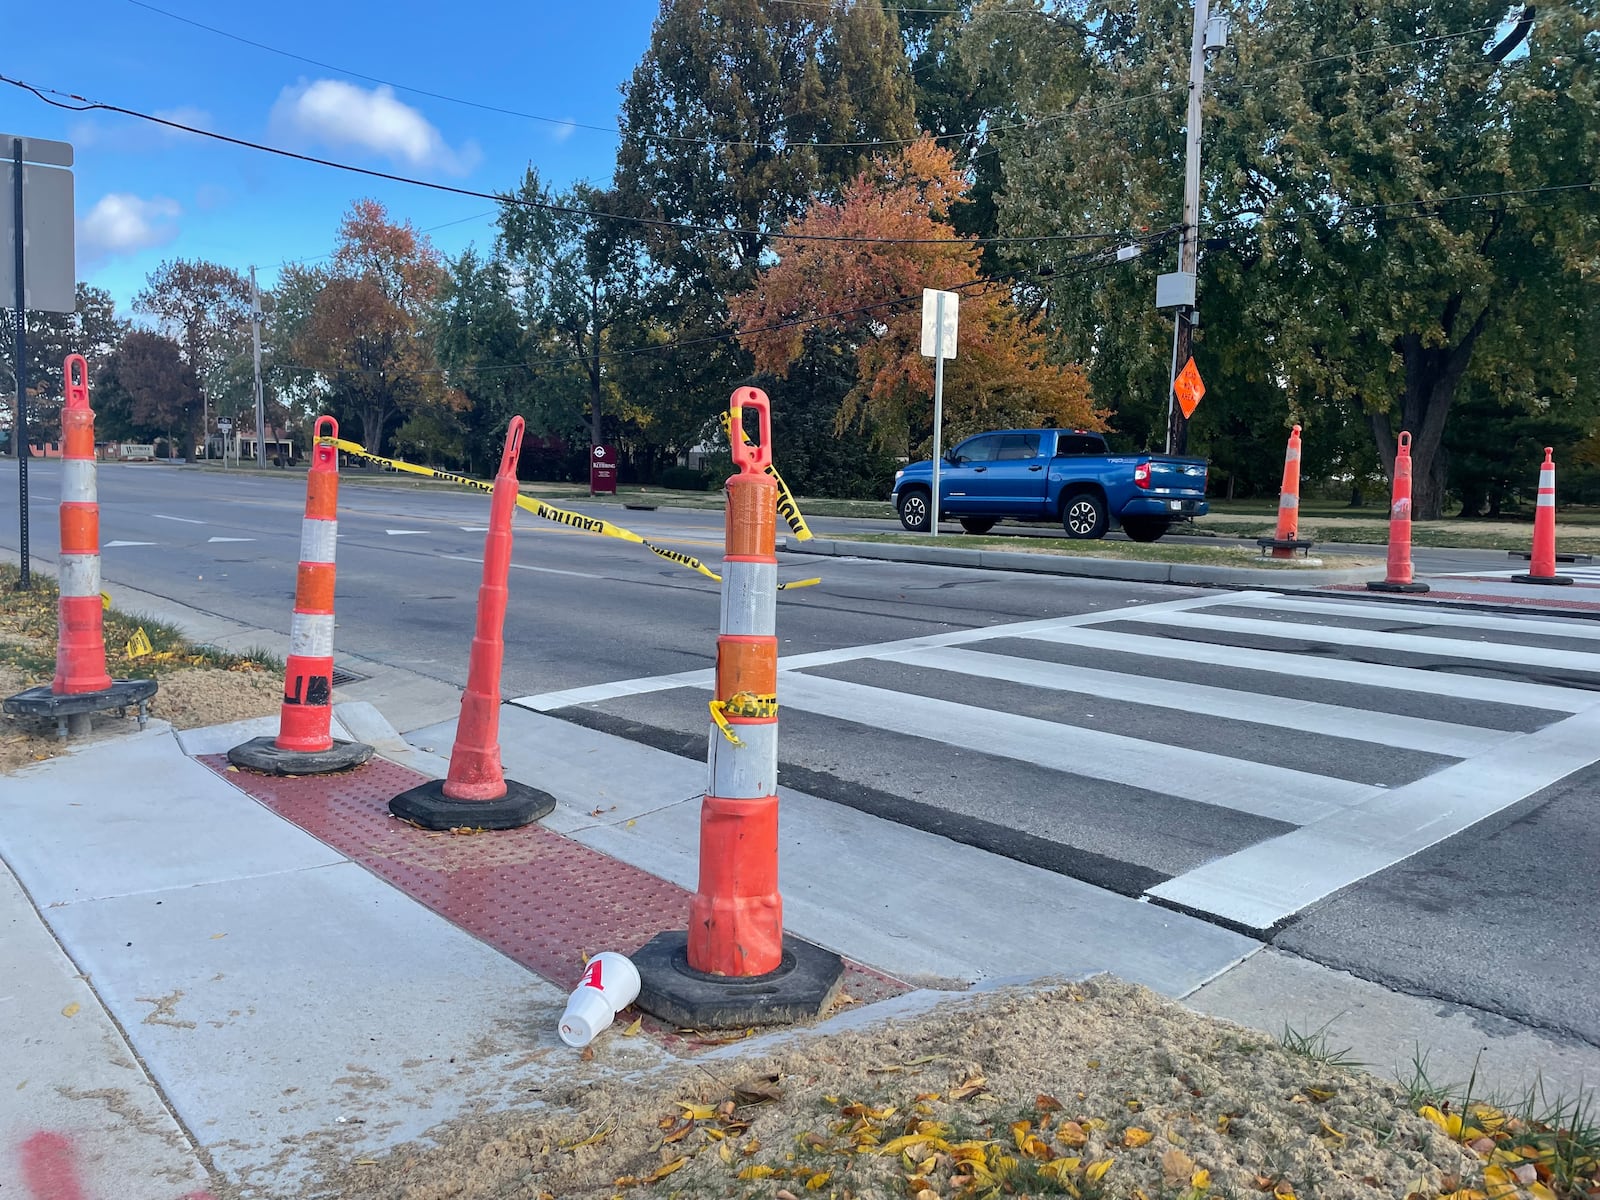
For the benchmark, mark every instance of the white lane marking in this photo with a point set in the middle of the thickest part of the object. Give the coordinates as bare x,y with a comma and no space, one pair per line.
1415,614
1271,880
230,540
113,545
520,567
185,520
1304,716
1261,789
474,528
404,532
1373,639
1310,666
594,693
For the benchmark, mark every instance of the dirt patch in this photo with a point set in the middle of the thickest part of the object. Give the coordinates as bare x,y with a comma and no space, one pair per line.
197,685
193,697
1097,1090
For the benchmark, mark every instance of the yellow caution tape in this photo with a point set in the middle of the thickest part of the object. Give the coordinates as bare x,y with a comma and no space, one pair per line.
788,508
742,704
561,516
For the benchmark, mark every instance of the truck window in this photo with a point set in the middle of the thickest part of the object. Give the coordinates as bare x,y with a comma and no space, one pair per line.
1070,444
979,449
1015,446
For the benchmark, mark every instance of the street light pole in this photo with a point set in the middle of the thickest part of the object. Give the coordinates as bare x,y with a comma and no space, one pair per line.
255,340
1189,243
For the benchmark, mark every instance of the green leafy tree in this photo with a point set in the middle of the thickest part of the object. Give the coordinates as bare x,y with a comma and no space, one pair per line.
92,330
148,389
1409,208
205,308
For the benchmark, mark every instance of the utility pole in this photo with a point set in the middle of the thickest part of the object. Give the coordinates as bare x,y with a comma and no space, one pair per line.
1208,35
255,339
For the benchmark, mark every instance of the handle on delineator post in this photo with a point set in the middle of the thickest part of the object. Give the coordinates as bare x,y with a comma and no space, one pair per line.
324,451
751,458
77,393
513,450
1405,444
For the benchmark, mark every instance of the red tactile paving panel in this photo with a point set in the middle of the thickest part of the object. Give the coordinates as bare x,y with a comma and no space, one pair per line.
537,897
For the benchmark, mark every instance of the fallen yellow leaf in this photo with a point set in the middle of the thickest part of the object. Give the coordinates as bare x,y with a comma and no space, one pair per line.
1134,1137
758,1172
665,1169
818,1181
72,1009
1096,1171
700,1112
633,1029
1200,1180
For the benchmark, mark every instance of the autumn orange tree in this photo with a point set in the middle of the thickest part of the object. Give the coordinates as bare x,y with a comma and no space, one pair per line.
368,336
869,293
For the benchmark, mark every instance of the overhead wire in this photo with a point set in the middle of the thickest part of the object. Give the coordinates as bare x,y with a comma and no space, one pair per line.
83,104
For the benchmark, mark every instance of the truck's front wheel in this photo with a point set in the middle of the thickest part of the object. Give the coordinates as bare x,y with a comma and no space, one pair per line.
1083,516
1145,529
914,510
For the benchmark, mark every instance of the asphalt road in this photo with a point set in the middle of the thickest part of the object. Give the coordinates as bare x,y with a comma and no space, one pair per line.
1227,754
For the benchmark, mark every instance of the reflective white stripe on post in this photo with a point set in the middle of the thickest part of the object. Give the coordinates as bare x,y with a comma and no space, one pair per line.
317,539
748,772
1292,455
311,635
1547,500
77,481
79,575
749,598
1288,501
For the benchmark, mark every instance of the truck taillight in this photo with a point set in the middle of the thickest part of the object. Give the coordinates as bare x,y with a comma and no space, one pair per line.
1141,475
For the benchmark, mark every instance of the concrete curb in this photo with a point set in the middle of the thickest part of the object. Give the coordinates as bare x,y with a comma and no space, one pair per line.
1135,570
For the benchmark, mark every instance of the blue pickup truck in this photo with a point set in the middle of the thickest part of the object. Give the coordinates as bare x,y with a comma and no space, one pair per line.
1066,475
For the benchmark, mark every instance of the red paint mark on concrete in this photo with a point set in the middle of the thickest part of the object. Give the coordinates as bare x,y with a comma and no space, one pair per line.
48,1169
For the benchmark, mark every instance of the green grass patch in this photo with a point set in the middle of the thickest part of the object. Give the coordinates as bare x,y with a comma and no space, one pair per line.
1168,552
28,638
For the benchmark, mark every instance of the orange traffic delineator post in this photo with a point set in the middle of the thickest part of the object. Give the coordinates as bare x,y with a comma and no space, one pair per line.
734,966
1286,539
1542,562
1399,578
81,685
476,794
305,744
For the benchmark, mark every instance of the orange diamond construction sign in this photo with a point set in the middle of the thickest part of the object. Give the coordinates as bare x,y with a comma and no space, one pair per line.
1189,388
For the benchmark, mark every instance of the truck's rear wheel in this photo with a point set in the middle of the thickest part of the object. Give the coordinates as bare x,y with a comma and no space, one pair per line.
977,524
914,510
1083,516
1145,529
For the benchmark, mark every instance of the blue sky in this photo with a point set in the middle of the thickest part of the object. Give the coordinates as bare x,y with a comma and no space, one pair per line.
144,195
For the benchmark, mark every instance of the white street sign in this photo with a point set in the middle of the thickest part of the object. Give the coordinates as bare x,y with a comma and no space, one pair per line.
930,323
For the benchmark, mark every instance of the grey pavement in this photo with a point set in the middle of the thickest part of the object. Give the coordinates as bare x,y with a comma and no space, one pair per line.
1044,756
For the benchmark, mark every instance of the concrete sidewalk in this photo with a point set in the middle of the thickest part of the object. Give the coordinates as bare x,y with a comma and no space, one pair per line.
211,999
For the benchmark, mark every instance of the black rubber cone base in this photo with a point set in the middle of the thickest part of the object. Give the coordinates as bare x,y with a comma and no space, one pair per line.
262,754
669,988
428,806
1386,586
122,694
1548,580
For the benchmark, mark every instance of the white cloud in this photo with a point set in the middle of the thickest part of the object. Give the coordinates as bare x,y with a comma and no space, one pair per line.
333,113
564,130
121,223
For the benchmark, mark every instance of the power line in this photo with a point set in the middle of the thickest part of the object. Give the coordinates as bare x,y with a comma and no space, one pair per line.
84,104
311,258
613,130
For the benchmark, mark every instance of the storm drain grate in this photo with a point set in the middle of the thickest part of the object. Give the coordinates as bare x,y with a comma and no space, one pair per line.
344,675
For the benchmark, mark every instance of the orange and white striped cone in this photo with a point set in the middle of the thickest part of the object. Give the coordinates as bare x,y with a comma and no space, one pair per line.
477,794
735,932
1399,578
81,685
1542,561
305,744
1288,531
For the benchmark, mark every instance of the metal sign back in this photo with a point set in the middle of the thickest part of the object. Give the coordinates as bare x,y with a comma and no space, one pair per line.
49,258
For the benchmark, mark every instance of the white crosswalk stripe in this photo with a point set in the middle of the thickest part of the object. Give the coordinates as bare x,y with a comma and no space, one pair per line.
1343,830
